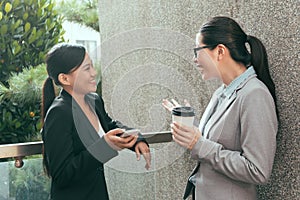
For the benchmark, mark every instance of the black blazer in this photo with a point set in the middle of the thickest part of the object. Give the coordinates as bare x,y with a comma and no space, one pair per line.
74,151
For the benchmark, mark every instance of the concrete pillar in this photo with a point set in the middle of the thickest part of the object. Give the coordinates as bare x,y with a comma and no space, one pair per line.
146,55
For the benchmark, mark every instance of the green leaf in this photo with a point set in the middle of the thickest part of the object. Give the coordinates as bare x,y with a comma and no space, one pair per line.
25,16
18,124
17,24
39,43
7,7
48,23
27,27
32,36
3,29
8,116
16,48
16,3
40,32
39,12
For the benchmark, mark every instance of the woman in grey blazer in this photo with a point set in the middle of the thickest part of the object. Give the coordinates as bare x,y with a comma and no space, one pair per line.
236,139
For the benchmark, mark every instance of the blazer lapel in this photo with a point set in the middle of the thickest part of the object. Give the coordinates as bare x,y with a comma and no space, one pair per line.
84,128
207,113
227,101
217,115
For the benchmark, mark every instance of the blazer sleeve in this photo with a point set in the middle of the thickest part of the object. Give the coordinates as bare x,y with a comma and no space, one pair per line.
65,165
253,164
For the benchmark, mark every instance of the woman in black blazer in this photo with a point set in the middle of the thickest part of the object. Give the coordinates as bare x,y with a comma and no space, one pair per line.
78,135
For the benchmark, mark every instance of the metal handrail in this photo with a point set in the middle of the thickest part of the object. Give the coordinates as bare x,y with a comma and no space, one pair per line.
19,150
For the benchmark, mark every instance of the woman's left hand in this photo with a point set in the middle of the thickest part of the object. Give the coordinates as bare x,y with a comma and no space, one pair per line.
142,148
185,136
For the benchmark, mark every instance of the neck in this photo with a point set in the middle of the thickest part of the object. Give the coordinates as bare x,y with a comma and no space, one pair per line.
231,72
79,98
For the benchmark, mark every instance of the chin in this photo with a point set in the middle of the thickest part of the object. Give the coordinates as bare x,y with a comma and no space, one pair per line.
207,78
93,88
92,91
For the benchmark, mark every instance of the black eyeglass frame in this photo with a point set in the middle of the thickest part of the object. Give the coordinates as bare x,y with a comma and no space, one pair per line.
199,48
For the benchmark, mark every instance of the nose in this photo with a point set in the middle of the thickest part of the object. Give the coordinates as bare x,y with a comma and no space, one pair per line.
195,59
93,71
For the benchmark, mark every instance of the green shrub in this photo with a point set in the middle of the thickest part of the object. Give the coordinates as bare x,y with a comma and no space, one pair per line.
82,12
29,182
28,29
20,106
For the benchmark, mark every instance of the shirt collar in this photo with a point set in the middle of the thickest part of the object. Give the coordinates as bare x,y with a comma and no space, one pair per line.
234,85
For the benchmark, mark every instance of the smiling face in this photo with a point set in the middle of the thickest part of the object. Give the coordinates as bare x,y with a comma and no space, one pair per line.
206,60
83,79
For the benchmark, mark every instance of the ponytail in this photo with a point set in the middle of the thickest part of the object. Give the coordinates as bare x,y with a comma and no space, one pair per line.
48,96
259,61
47,99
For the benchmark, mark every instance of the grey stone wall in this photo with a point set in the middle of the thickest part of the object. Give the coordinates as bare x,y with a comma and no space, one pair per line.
146,55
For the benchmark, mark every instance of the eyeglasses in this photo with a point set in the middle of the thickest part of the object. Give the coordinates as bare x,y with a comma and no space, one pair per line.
199,48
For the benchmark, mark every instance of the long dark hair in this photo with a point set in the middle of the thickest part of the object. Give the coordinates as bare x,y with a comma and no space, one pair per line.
224,30
62,58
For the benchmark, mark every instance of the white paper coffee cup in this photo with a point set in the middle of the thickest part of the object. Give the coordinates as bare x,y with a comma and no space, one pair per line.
183,115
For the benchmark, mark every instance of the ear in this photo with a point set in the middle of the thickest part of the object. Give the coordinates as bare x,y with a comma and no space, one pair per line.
63,79
222,51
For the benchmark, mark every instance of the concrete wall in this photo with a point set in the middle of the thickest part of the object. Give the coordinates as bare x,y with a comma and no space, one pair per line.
146,55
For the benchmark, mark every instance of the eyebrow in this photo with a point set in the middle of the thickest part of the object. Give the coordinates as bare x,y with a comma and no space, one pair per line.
85,65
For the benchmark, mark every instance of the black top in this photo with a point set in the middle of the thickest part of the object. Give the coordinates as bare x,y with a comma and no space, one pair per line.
74,150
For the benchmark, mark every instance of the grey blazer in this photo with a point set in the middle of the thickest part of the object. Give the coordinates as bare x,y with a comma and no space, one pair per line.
239,150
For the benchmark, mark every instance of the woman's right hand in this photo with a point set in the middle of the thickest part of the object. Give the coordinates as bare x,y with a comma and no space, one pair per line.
169,105
118,143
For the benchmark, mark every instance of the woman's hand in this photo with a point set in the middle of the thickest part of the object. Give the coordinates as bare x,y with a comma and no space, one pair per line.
169,105
185,136
119,143
142,148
